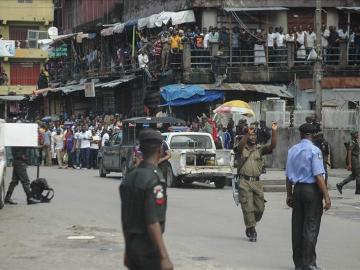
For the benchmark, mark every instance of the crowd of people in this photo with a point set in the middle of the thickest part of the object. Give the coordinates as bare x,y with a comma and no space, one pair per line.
75,143
249,46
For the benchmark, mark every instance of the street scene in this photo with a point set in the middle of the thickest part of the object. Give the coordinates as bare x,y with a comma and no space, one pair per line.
179,134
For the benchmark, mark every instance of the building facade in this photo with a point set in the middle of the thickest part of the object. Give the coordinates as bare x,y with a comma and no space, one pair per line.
84,15
22,24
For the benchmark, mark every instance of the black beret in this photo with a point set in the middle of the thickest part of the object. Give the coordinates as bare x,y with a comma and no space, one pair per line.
308,128
150,136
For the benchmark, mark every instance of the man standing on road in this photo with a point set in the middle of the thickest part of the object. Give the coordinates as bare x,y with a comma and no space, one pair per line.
250,165
353,164
143,209
85,137
305,171
19,174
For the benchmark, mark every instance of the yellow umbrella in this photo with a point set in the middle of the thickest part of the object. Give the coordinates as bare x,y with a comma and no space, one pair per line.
237,103
235,106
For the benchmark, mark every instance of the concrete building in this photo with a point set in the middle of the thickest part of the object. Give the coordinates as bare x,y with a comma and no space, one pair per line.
84,15
22,24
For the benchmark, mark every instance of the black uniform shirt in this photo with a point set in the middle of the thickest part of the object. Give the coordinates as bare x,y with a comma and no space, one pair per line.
143,199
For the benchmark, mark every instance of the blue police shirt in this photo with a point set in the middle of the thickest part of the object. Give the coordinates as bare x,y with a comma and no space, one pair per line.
304,162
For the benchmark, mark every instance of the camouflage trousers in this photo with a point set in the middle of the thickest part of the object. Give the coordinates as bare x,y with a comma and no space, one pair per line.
251,197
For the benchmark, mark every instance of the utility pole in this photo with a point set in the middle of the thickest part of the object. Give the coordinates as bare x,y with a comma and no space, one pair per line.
317,76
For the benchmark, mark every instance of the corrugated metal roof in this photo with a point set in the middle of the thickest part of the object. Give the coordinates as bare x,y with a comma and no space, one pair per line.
12,98
230,9
278,90
114,83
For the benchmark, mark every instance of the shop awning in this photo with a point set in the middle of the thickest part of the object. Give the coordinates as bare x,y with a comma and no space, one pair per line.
181,91
277,90
114,83
12,98
230,9
186,16
119,28
350,9
164,18
180,95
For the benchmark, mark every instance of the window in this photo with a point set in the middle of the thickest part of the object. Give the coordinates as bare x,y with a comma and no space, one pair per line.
190,142
33,36
24,73
25,1
20,33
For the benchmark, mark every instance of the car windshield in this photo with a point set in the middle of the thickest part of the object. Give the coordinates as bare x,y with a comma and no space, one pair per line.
190,142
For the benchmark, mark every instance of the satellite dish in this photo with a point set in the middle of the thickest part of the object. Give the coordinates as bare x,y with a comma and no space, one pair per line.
53,31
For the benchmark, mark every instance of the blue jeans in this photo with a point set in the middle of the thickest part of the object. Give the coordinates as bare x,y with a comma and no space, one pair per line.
70,158
85,157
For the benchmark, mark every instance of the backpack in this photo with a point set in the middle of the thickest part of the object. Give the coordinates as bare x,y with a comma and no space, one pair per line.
40,190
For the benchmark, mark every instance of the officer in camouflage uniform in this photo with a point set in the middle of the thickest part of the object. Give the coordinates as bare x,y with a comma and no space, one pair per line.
353,163
143,208
20,158
250,160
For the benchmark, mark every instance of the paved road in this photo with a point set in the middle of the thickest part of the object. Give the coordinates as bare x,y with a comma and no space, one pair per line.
204,229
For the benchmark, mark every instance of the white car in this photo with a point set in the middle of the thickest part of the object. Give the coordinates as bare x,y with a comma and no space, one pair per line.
194,157
2,164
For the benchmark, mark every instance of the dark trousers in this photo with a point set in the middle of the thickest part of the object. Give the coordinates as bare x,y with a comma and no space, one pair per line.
93,158
85,157
141,253
306,219
70,158
19,174
164,168
355,175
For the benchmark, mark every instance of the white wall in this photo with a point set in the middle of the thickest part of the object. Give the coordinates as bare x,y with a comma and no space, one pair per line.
209,18
332,17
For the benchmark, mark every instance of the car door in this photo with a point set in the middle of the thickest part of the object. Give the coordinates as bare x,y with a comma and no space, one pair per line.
107,152
115,145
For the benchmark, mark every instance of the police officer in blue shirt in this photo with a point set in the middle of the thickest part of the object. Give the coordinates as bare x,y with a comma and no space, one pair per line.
306,189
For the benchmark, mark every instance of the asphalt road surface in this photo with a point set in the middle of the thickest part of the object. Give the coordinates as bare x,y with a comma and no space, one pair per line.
204,228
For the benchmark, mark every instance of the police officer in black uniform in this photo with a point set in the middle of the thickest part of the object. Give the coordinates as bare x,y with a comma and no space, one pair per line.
19,174
143,209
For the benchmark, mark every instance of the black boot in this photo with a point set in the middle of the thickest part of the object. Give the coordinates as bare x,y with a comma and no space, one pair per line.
8,199
339,188
253,234
247,232
32,201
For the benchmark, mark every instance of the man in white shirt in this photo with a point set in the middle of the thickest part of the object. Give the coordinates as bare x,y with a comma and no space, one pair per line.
270,45
94,149
280,46
143,59
105,137
310,40
85,137
206,37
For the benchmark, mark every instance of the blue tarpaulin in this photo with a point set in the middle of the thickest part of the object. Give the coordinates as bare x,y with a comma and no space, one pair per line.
129,24
209,96
181,91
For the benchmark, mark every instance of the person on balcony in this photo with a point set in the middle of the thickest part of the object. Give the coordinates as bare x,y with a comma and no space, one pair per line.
271,36
279,45
259,49
333,50
300,44
224,39
310,40
206,37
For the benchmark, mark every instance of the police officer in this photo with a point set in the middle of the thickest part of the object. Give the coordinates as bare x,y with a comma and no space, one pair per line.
19,174
305,171
353,164
143,208
250,165
320,142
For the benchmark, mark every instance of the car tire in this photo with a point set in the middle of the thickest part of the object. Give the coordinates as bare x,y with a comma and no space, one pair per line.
220,183
2,194
171,179
102,172
124,169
